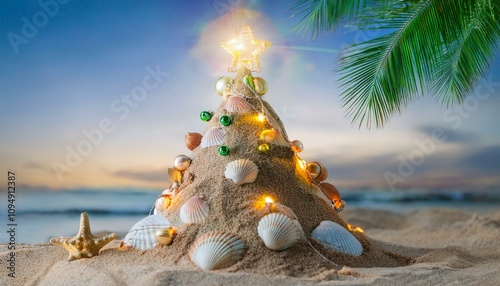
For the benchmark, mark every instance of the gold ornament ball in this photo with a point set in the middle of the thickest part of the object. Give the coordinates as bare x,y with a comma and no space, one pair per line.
296,146
260,85
263,148
165,236
221,84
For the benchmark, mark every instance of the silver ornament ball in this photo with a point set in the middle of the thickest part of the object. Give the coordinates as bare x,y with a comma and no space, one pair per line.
296,146
260,85
221,84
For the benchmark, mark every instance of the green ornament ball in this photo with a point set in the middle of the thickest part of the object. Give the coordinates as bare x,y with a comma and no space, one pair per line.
223,150
248,80
225,120
206,115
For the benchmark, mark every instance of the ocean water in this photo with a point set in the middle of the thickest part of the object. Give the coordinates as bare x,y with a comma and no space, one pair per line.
41,215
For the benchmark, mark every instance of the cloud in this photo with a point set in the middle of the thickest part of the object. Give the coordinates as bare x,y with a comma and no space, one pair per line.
144,175
484,160
452,136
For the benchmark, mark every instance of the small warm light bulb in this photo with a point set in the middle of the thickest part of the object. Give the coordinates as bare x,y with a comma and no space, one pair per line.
240,47
355,228
269,200
302,163
261,117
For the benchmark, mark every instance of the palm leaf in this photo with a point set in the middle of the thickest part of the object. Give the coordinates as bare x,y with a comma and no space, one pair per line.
468,60
318,16
440,47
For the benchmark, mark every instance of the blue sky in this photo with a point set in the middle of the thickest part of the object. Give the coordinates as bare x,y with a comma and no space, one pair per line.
73,73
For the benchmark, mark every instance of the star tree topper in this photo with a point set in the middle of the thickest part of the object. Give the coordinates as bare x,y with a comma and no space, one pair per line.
245,50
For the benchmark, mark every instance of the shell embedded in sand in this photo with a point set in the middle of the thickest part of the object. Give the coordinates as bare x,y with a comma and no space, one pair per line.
142,234
216,250
194,210
192,140
241,171
174,175
182,162
272,136
330,191
278,231
213,137
317,171
337,237
237,103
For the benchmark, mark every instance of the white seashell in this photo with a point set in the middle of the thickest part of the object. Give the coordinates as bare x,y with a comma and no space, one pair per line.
237,103
241,171
216,250
273,136
278,231
142,234
337,237
194,210
213,137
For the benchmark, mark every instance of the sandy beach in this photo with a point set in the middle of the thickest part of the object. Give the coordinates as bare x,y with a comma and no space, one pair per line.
445,247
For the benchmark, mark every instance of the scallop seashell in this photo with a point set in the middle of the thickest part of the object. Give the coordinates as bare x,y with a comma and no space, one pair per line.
142,234
278,231
216,250
192,140
338,238
213,137
241,171
237,103
273,136
194,210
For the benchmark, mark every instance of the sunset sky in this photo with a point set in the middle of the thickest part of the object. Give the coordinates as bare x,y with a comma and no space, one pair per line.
69,73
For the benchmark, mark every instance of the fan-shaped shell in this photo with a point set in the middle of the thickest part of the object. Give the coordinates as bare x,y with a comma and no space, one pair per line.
241,171
142,234
216,250
337,237
192,140
213,137
194,210
278,231
273,136
237,103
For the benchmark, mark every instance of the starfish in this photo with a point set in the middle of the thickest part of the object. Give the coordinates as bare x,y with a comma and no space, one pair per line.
84,244
245,50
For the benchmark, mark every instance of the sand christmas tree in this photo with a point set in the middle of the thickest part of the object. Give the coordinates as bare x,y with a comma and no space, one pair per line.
244,195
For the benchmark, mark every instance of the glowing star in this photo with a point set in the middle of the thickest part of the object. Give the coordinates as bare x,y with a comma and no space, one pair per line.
84,244
246,51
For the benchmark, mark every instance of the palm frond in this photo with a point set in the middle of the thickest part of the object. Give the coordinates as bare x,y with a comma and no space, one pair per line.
441,47
383,74
468,59
317,16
